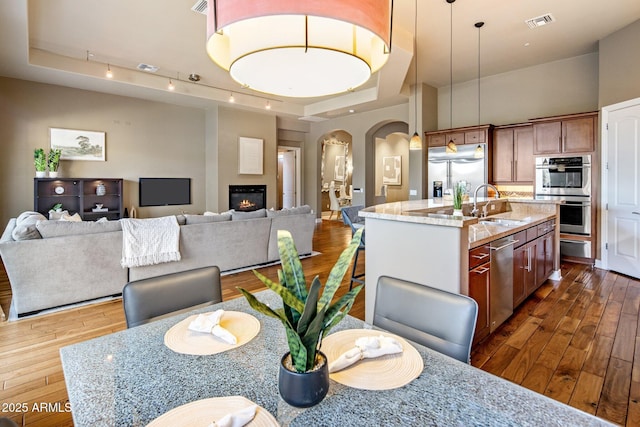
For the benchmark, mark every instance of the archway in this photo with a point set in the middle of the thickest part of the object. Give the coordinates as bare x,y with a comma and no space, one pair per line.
376,143
336,164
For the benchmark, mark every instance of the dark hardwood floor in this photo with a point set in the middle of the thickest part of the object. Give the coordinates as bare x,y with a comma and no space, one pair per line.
575,340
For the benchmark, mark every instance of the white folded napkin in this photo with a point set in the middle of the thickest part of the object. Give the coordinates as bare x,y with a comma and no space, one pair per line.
210,323
366,348
236,419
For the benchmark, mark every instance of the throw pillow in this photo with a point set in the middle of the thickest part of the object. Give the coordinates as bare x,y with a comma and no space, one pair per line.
26,226
305,209
55,216
50,229
238,215
71,218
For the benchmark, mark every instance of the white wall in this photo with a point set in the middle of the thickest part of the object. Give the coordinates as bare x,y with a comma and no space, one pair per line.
559,87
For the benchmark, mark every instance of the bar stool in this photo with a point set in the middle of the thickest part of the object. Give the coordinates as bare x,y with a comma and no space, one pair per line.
351,218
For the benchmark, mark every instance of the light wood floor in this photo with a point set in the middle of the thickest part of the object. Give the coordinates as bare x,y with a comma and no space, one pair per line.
574,340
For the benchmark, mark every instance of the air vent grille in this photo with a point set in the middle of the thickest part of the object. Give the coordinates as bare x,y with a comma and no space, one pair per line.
540,21
148,68
200,7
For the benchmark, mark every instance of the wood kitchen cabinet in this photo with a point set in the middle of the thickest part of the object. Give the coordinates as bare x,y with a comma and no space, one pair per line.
513,160
466,135
565,134
479,269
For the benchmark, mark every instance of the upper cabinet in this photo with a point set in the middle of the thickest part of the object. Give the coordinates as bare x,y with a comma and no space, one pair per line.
466,135
565,134
513,160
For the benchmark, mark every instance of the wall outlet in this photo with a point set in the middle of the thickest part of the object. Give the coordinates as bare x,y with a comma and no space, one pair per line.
413,192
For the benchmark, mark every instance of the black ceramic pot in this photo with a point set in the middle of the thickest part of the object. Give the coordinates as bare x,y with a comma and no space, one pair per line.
304,389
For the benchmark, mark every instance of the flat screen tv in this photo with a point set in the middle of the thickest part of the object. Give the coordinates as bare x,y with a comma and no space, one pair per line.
165,191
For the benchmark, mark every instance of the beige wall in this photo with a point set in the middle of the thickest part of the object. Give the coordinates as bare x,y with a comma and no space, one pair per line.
143,138
395,144
559,87
619,65
232,124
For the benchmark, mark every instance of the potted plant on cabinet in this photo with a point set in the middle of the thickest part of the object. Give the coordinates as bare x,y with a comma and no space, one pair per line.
307,317
40,162
458,195
53,161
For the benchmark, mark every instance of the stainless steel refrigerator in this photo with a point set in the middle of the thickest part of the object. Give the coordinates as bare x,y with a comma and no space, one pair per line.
468,164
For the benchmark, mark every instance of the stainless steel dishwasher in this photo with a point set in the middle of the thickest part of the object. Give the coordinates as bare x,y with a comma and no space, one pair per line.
501,281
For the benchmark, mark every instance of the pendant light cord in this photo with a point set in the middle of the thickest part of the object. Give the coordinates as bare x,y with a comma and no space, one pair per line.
451,67
415,81
479,25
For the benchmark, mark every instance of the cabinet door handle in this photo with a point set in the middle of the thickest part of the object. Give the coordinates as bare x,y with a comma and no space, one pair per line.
483,256
528,267
515,170
513,242
481,270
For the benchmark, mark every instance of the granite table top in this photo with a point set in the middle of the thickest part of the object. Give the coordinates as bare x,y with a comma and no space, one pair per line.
130,377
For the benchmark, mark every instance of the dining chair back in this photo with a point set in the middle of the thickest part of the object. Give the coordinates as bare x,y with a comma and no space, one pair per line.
440,320
351,218
334,203
154,298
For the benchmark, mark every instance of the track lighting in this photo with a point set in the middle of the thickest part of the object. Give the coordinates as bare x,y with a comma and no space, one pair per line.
109,74
171,87
231,98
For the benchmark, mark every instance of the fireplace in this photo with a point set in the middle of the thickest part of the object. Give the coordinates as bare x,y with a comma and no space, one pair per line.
247,197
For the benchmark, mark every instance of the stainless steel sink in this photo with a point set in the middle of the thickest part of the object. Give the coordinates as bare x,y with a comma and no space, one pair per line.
503,222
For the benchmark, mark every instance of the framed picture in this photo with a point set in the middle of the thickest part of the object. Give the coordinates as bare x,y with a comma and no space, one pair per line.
392,170
250,156
338,171
79,144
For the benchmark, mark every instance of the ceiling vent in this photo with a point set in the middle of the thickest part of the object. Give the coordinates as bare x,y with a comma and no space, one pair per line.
540,21
148,68
200,7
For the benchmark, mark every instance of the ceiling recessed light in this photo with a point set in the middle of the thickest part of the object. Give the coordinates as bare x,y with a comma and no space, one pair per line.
352,110
526,44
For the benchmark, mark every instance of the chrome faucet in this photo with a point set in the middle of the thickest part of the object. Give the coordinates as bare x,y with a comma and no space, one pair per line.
474,212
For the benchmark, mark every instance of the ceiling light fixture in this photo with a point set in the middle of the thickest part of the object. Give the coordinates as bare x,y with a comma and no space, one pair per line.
231,98
109,74
328,47
268,106
479,151
451,145
415,143
171,87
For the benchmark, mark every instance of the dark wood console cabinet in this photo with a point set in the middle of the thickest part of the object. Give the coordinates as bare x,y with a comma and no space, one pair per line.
79,195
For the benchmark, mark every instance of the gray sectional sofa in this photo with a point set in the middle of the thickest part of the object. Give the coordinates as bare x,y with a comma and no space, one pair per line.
61,263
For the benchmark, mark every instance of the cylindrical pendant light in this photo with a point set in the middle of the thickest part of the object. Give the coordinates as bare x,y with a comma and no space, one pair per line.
299,48
451,145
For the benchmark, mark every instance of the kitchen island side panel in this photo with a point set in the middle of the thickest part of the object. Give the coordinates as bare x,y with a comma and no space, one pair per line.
428,254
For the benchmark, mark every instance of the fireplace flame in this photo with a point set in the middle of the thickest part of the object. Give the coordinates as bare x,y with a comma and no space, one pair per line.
245,204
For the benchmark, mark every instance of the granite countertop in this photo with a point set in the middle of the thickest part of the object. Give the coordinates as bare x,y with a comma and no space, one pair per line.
129,378
528,212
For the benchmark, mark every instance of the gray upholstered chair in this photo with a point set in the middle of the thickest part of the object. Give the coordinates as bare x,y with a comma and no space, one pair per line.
443,321
154,298
351,218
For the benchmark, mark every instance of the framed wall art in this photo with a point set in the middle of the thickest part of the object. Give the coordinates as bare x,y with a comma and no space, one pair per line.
392,170
79,144
250,154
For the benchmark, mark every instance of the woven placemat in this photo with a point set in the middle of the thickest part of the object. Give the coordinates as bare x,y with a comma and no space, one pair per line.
203,412
181,340
382,373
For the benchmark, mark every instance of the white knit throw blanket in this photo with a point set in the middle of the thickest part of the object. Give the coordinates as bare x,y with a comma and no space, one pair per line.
150,241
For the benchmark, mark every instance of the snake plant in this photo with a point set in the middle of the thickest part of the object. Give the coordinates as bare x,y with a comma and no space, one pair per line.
306,315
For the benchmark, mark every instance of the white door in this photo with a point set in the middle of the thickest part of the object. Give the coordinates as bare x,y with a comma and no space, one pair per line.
623,189
288,179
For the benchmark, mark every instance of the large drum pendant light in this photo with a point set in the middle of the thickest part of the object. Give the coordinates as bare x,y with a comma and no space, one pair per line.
299,48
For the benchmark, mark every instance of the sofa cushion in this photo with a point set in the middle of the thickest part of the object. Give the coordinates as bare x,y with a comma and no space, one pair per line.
182,220
50,229
305,209
26,226
201,219
239,215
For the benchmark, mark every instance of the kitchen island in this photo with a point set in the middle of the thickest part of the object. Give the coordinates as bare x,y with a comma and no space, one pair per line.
420,241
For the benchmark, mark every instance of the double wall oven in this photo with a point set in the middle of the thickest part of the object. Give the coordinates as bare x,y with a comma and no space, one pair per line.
568,178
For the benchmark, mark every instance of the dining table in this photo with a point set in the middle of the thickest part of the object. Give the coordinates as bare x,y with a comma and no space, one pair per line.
132,377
